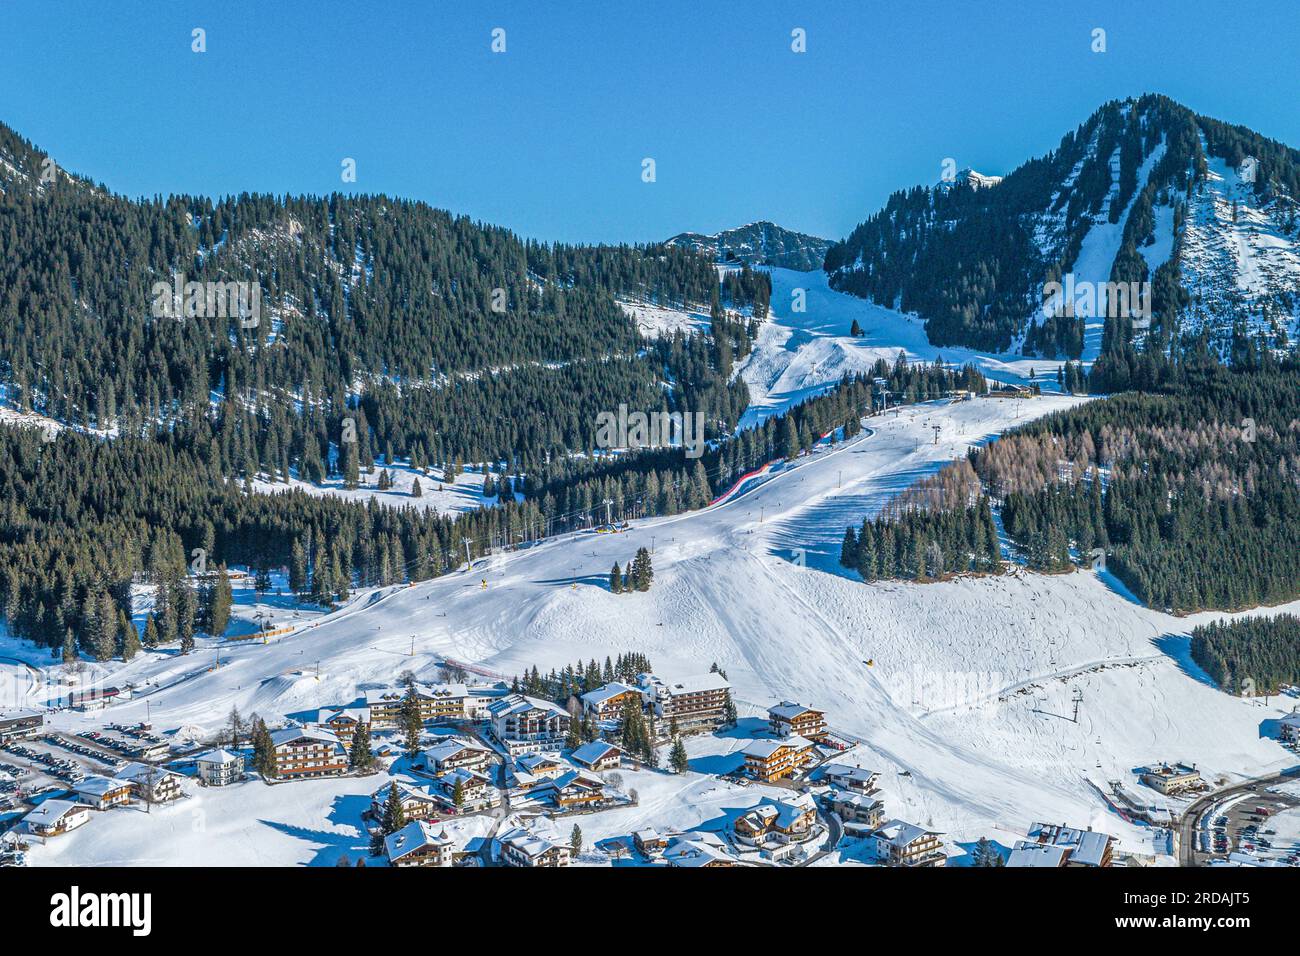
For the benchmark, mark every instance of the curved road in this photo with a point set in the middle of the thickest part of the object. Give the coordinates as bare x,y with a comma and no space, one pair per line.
1189,823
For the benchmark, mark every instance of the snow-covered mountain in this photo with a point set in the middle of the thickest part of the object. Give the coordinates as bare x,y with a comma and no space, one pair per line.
1193,216
759,243
970,178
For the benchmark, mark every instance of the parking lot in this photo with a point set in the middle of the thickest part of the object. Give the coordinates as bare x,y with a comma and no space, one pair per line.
1251,826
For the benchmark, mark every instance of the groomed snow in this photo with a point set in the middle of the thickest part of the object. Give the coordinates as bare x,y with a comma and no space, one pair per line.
966,709
801,354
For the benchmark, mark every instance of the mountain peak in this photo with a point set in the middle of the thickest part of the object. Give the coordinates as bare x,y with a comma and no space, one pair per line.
758,243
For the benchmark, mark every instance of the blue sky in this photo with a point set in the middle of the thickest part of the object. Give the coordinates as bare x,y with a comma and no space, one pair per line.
548,137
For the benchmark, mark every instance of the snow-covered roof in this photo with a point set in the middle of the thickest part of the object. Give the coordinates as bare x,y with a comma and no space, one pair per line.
762,749
451,747
594,698
900,833
51,812
526,841
596,750
144,773
220,757
450,778
697,683
359,714
19,714
1292,719
1087,847
844,771
414,836
535,762
789,710
98,786
855,799
1027,853
696,849
290,734
405,791
519,704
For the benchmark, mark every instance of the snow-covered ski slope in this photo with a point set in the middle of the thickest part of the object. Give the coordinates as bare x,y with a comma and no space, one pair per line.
801,353
966,708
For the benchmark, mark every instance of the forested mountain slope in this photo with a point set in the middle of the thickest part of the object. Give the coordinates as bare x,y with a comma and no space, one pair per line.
439,331
1144,191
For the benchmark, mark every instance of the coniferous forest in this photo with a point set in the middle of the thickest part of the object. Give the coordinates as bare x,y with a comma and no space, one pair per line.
1189,494
1253,655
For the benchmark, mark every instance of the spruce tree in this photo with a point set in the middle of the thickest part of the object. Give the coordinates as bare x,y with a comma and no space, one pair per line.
219,603
393,817
361,757
677,758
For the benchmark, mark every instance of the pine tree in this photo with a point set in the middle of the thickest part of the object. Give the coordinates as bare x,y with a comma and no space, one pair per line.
150,631
458,795
416,490
219,603
361,757
263,750
986,854
575,840
616,579
412,723
130,642
393,817
297,568
677,758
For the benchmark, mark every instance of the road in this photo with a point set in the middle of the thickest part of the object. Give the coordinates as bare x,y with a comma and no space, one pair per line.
1189,823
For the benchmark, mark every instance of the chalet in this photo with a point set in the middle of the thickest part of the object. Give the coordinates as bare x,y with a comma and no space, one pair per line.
102,793
456,753
20,725
696,704
343,723
1289,727
607,703
852,806
305,752
903,844
151,784
523,724
1081,847
570,791
476,790
54,817
846,777
419,843
417,804
218,768
520,847
697,850
776,759
781,821
541,766
649,841
788,719
1171,779
598,756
